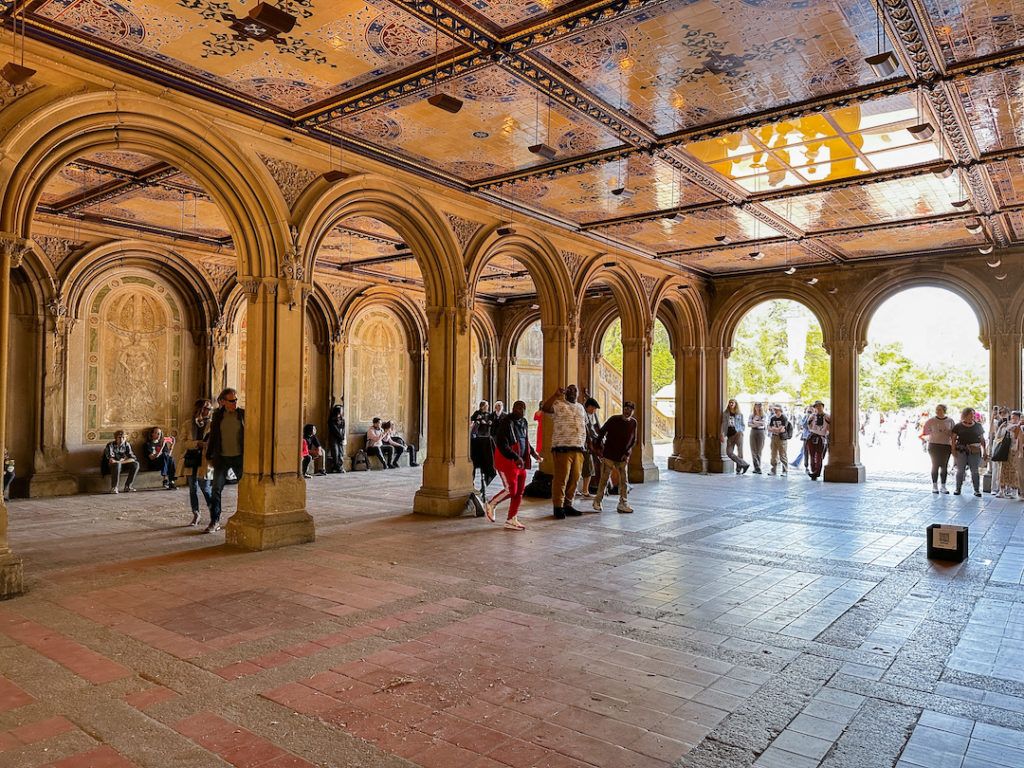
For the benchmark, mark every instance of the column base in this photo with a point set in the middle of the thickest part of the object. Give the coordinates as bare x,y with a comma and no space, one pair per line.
646,473
440,503
271,514
12,582
844,473
52,484
692,464
720,465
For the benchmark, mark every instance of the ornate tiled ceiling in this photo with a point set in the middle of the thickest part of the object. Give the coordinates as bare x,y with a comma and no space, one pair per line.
758,120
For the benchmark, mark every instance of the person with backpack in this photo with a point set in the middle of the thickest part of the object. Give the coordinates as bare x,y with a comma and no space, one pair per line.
781,430
819,426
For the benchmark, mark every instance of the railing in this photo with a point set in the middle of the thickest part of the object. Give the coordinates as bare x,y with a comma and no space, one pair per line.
609,394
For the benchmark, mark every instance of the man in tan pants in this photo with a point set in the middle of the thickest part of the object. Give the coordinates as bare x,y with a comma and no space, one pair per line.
568,438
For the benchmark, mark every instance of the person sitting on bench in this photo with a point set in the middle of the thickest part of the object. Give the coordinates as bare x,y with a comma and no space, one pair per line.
375,444
118,453
158,450
313,452
398,445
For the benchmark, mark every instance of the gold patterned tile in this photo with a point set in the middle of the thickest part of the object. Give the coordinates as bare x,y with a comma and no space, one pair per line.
696,230
994,104
586,196
916,238
1016,221
1008,179
724,260
501,117
692,62
895,200
335,45
970,29
504,15
840,144
505,276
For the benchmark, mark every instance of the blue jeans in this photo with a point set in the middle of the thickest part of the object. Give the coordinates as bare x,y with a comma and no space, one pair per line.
165,463
221,465
195,485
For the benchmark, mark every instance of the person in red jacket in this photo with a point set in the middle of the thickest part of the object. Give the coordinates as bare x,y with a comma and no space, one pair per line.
512,456
615,440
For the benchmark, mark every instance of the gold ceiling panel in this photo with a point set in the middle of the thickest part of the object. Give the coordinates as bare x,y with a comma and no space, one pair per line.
687,62
915,238
1016,221
1008,178
994,104
840,144
336,45
501,117
970,29
771,255
697,230
73,180
505,276
895,200
503,14
586,196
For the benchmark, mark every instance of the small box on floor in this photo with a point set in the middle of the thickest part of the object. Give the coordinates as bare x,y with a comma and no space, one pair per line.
947,542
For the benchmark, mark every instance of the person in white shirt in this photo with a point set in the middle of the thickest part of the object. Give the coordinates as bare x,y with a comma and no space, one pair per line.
818,425
937,432
756,424
568,438
375,444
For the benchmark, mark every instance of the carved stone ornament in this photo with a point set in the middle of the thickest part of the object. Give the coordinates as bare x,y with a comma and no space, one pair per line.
16,249
464,307
251,288
338,293
57,249
293,272
219,274
572,261
291,178
463,229
220,335
649,283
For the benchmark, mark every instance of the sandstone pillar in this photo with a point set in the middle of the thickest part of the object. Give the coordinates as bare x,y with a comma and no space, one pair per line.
585,377
1005,367
688,444
12,251
714,404
502,375
488,370
636,386
272,493
50,476
844,450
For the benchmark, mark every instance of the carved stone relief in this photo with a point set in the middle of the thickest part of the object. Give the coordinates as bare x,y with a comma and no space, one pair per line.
380,370
572,262
134,347
464,229
291,178
219,273
57,249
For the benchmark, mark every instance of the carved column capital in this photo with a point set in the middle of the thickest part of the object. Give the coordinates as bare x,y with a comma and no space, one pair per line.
14,248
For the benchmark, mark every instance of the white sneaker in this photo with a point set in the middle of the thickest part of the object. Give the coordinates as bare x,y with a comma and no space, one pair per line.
624,508
513,524
114,490
998,495
597,505
935,487
944,489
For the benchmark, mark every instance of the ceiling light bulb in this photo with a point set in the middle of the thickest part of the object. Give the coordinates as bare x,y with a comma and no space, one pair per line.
882,64
791,270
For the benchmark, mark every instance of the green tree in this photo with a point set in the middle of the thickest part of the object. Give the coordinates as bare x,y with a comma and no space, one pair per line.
663,365
816,368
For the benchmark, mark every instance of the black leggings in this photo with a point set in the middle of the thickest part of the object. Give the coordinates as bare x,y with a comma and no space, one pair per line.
940,460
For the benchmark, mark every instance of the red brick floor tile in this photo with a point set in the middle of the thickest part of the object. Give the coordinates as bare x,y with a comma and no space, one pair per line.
587,748
445,755
403,741
479,739
149,697
84,662
101,757
271,660
11,696
598,725
518,753
42,730
442,725
287,761
303,650
301,699
252,754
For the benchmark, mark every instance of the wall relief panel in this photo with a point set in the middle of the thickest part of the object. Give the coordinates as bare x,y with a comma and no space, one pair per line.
379,371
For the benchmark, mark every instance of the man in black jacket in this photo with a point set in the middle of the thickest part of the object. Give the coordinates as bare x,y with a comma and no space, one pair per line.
224,449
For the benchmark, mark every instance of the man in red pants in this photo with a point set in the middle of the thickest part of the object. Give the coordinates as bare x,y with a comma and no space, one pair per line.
512,456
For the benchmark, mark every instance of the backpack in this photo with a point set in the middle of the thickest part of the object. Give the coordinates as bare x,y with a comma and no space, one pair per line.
360,462
789,430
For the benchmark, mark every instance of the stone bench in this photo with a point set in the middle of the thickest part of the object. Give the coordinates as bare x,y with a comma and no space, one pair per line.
147,480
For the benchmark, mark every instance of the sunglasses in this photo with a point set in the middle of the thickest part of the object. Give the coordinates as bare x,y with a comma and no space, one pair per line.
226,400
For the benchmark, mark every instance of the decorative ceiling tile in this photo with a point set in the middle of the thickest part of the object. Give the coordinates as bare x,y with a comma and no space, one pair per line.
970,29
994,108
336,45
1008,179
501,117
737,259
917,238
899,199
1016,220
691,62
696,230
503,14
586,196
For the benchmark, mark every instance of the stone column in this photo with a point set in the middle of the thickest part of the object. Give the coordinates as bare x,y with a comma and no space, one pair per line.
636,386
502,374
487,373
585,377
714,404
12,251
50,476
447,471
688,444
220,341
844,450
272,493
1005,367
417,408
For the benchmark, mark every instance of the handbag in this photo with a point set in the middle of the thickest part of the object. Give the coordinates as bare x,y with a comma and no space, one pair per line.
1002,451
192,459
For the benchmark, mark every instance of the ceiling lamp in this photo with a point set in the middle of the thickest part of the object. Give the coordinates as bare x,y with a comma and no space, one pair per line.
624,192
400,246
542,148
791,270
960,203
833,291
813,281
267,21
942,171
501,299
334,176
674,216
505,230
723,239
1001,277
756,255
986,249
995,264
15,72
883,63
441,100
973,226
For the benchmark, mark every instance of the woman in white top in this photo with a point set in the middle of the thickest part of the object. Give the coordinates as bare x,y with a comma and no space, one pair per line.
757,423
937,431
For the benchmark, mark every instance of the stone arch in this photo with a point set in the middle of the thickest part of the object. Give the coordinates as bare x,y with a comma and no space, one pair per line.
541,259
515,330
487,335
678,305
405,309
316,359
740,302
627,289
885,286
43,141
601,318
323,206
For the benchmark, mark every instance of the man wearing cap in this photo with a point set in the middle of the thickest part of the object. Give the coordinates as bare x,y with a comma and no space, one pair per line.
818,426
616,439
780,430
590,457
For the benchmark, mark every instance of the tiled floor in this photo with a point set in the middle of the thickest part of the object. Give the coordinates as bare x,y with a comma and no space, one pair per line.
729,622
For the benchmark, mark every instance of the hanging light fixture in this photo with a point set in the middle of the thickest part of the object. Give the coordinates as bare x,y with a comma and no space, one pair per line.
923,130
723,239
14,72
961,201
542,148
756,255
974,226
333,175
812,281
441,100
790,270
995,264
986,249
883,63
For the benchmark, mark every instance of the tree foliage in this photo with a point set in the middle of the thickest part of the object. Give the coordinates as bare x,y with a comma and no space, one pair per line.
663,365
